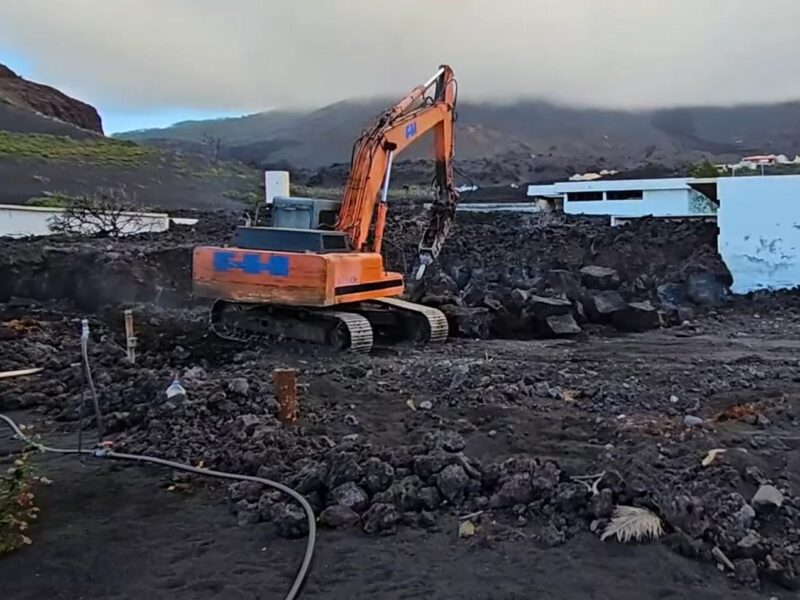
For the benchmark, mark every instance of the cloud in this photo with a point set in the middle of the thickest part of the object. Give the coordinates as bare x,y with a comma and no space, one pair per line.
247,55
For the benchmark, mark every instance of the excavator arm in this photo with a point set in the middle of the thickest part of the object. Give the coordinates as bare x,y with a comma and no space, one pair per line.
374,153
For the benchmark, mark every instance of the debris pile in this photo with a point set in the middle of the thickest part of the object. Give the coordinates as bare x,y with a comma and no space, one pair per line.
504,275
499,275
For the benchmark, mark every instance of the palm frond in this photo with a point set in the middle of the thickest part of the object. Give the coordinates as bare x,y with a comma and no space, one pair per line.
633,523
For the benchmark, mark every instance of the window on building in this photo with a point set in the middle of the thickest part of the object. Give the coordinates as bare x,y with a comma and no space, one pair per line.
625,195
584,196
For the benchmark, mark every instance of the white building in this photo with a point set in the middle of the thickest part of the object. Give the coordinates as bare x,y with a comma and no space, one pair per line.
630,198
758,217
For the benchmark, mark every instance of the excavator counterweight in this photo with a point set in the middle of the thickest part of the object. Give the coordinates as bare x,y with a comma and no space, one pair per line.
329,285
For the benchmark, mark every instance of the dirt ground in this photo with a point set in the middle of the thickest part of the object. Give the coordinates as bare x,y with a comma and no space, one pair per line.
394,447
115,533
614,403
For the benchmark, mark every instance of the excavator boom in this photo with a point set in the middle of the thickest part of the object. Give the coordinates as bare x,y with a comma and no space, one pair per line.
373,155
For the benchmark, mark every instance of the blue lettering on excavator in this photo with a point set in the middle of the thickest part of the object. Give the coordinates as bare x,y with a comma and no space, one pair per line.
411,130
252,264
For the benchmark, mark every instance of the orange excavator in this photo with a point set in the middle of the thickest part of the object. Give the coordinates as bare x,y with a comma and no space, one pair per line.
323,281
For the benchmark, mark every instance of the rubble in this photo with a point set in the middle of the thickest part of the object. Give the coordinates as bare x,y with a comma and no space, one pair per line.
767,497
497,426
600,278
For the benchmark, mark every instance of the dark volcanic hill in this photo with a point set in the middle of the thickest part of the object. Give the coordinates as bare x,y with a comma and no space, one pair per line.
22,94
531,139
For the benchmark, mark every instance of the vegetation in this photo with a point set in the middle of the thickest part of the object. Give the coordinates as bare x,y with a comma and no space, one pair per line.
52,200
704,169
17,508
98,151
110,212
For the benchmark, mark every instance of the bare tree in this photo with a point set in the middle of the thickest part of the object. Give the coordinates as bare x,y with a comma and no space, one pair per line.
110,212
214,145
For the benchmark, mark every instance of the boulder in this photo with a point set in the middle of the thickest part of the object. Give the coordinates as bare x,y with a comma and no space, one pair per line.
452,482
560,326
601,306
672,295
541,307
516,490
338,516
767,498
378,475
600,278
290,521
518,298
381,518
747,571
351,496
468,322
706,289
566,283
637,316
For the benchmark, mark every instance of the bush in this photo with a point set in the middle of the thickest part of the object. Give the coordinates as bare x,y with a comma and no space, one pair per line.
17,508
110,212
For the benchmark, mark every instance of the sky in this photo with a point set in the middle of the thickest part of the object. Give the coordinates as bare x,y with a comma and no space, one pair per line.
147,63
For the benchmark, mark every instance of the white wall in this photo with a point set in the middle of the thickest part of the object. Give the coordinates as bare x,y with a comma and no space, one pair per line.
759,222
661,203
661,197
21,221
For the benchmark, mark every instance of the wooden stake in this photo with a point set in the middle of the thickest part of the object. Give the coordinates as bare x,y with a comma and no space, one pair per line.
130,337
285,384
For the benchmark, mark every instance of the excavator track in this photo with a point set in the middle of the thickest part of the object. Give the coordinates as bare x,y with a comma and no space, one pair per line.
437,327
356,329
246,323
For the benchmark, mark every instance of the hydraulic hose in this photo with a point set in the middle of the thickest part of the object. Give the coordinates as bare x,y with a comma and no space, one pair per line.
104,453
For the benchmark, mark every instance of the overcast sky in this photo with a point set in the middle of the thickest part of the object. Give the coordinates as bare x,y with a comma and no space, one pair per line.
188,57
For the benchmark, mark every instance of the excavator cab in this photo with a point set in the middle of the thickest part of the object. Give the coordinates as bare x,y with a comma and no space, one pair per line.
317,274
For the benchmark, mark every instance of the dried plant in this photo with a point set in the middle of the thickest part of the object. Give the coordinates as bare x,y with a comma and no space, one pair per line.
633,523
110,212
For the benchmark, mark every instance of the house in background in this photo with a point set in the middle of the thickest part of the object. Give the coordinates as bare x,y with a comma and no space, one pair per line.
631,198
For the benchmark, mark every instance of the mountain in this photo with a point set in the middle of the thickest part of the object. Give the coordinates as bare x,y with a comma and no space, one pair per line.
21,96
52,149
526,140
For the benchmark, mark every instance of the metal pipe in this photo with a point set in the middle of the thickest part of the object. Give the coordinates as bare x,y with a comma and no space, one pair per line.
430,81
385,191
87,371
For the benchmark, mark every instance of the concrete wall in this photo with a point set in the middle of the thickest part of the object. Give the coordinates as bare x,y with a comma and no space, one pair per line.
21,221
660,197
662,203
759,222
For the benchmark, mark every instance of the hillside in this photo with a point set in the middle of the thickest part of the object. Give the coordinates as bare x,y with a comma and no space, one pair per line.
51,145
46,101
525,141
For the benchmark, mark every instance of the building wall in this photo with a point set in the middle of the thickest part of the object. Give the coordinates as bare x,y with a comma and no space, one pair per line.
660,197
21,221
759,222
662,203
